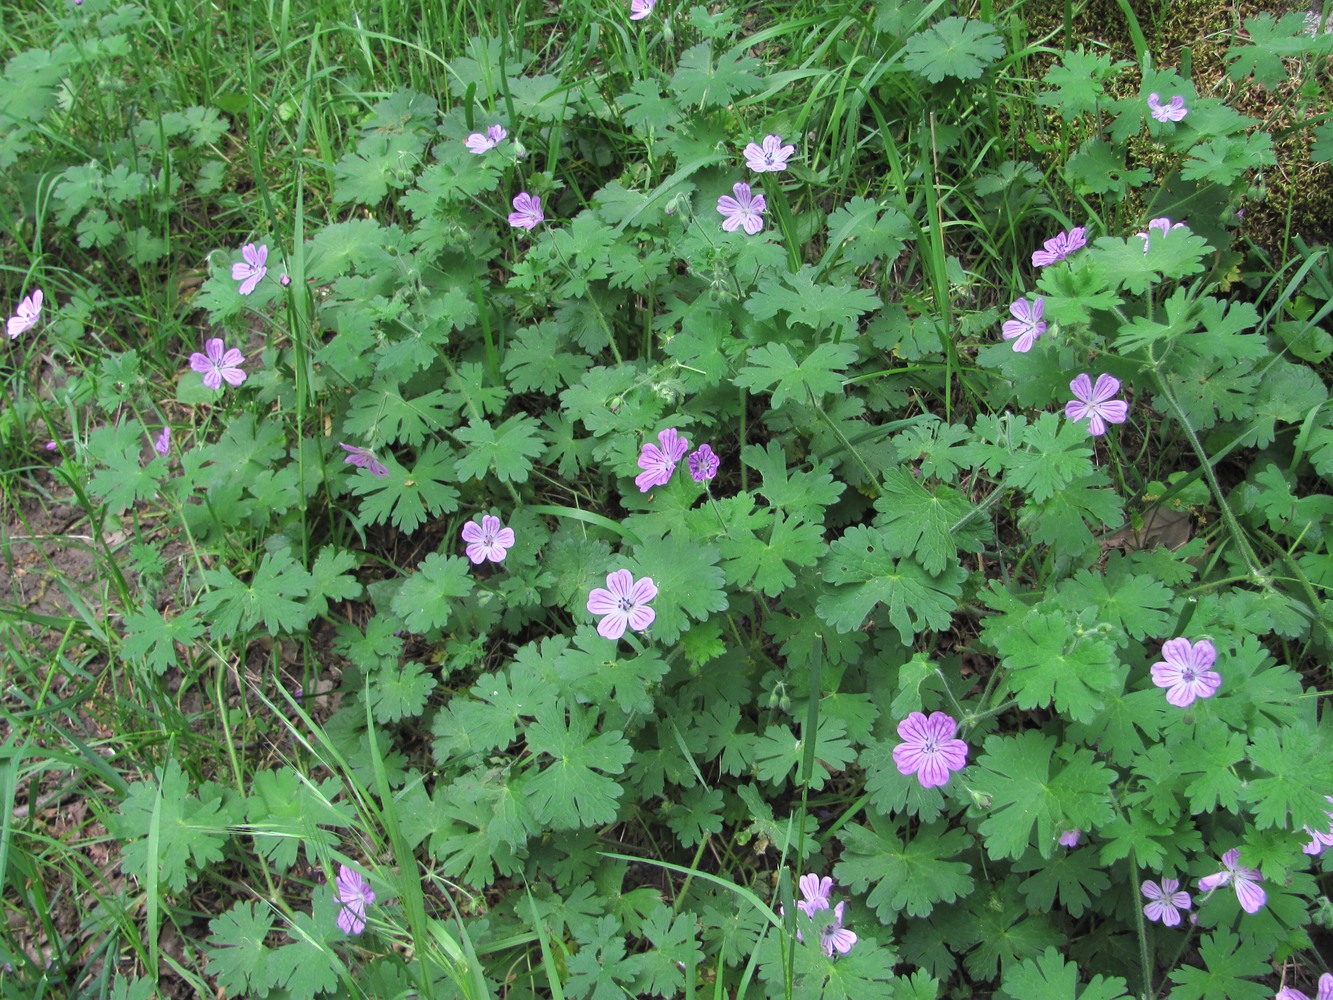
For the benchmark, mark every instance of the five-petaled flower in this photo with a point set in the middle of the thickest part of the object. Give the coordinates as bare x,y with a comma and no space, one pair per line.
364,458
1095,403
816,892
1165,901
355,894
623,603
1325,990
835,937
639,9
162,444
770,157
1027,324
1185,670
703,464
1244,880
491,541
250,271
929,749
1320,840
746,209
479,142
30,307
1172,112
1059,247
1164,225
659,462
217,363
527,213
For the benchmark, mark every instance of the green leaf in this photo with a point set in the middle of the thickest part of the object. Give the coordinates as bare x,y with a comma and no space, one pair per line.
696,816
1231,963
381,413
957,46
508,449
1075,876
1047,666
675,951
754,562
704,80
778,752
805,495
573,790
1225,160
288,813
308,966
396,694
274,594
151,638
1267,42
539,360
911,874
1077,83
423,601
601,965
1299,773
1097,167
331,579
407,497
921,523
690,584
1050,977
238,954
819,374
814,304
121,478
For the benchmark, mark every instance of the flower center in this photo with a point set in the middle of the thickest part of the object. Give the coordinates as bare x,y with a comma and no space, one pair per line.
624,604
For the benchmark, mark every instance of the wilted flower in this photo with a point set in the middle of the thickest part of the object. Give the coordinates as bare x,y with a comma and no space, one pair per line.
1165,901
624,603
929,749
771,157
491,541
1173,112
250,271
163,443
1061,246
1027,324
703,464
1325,991
1244,880
745,209
639,9
659,463
1095,403
527,213
29,308
364,458
217,363
1320,840
479,142
1185,670
355,894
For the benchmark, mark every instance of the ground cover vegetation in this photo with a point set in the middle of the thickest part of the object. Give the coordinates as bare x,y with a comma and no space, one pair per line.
630,498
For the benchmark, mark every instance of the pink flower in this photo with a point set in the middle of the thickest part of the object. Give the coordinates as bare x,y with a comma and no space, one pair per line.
816,891
491,541
1186,671
355,894
929,749
1070,838
703,464
658,464
1325,991
743,210
527,213
252,269
1173,112
639,9
364,458
1163,224
479,143
1060,246
835,937
163,443
1319,841
50,446
1096,403
1027,325
1244,880
25,315
215,364
1165,902
771,157
624,603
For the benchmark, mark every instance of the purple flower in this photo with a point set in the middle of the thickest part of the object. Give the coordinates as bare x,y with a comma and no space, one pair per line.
703,464
490,541
479,143
252,269
639,9
1244,880
1319,841
1164,224
215,364
355,894
816,891
1325,991
658,463
527,213
835,937
50,446
1095,403
285,281
625,602
929,749
1185,671
771,157
1070,838
1061,246
25,315
163,443
364,458
1172,112
1027,325
1165,902
743,210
